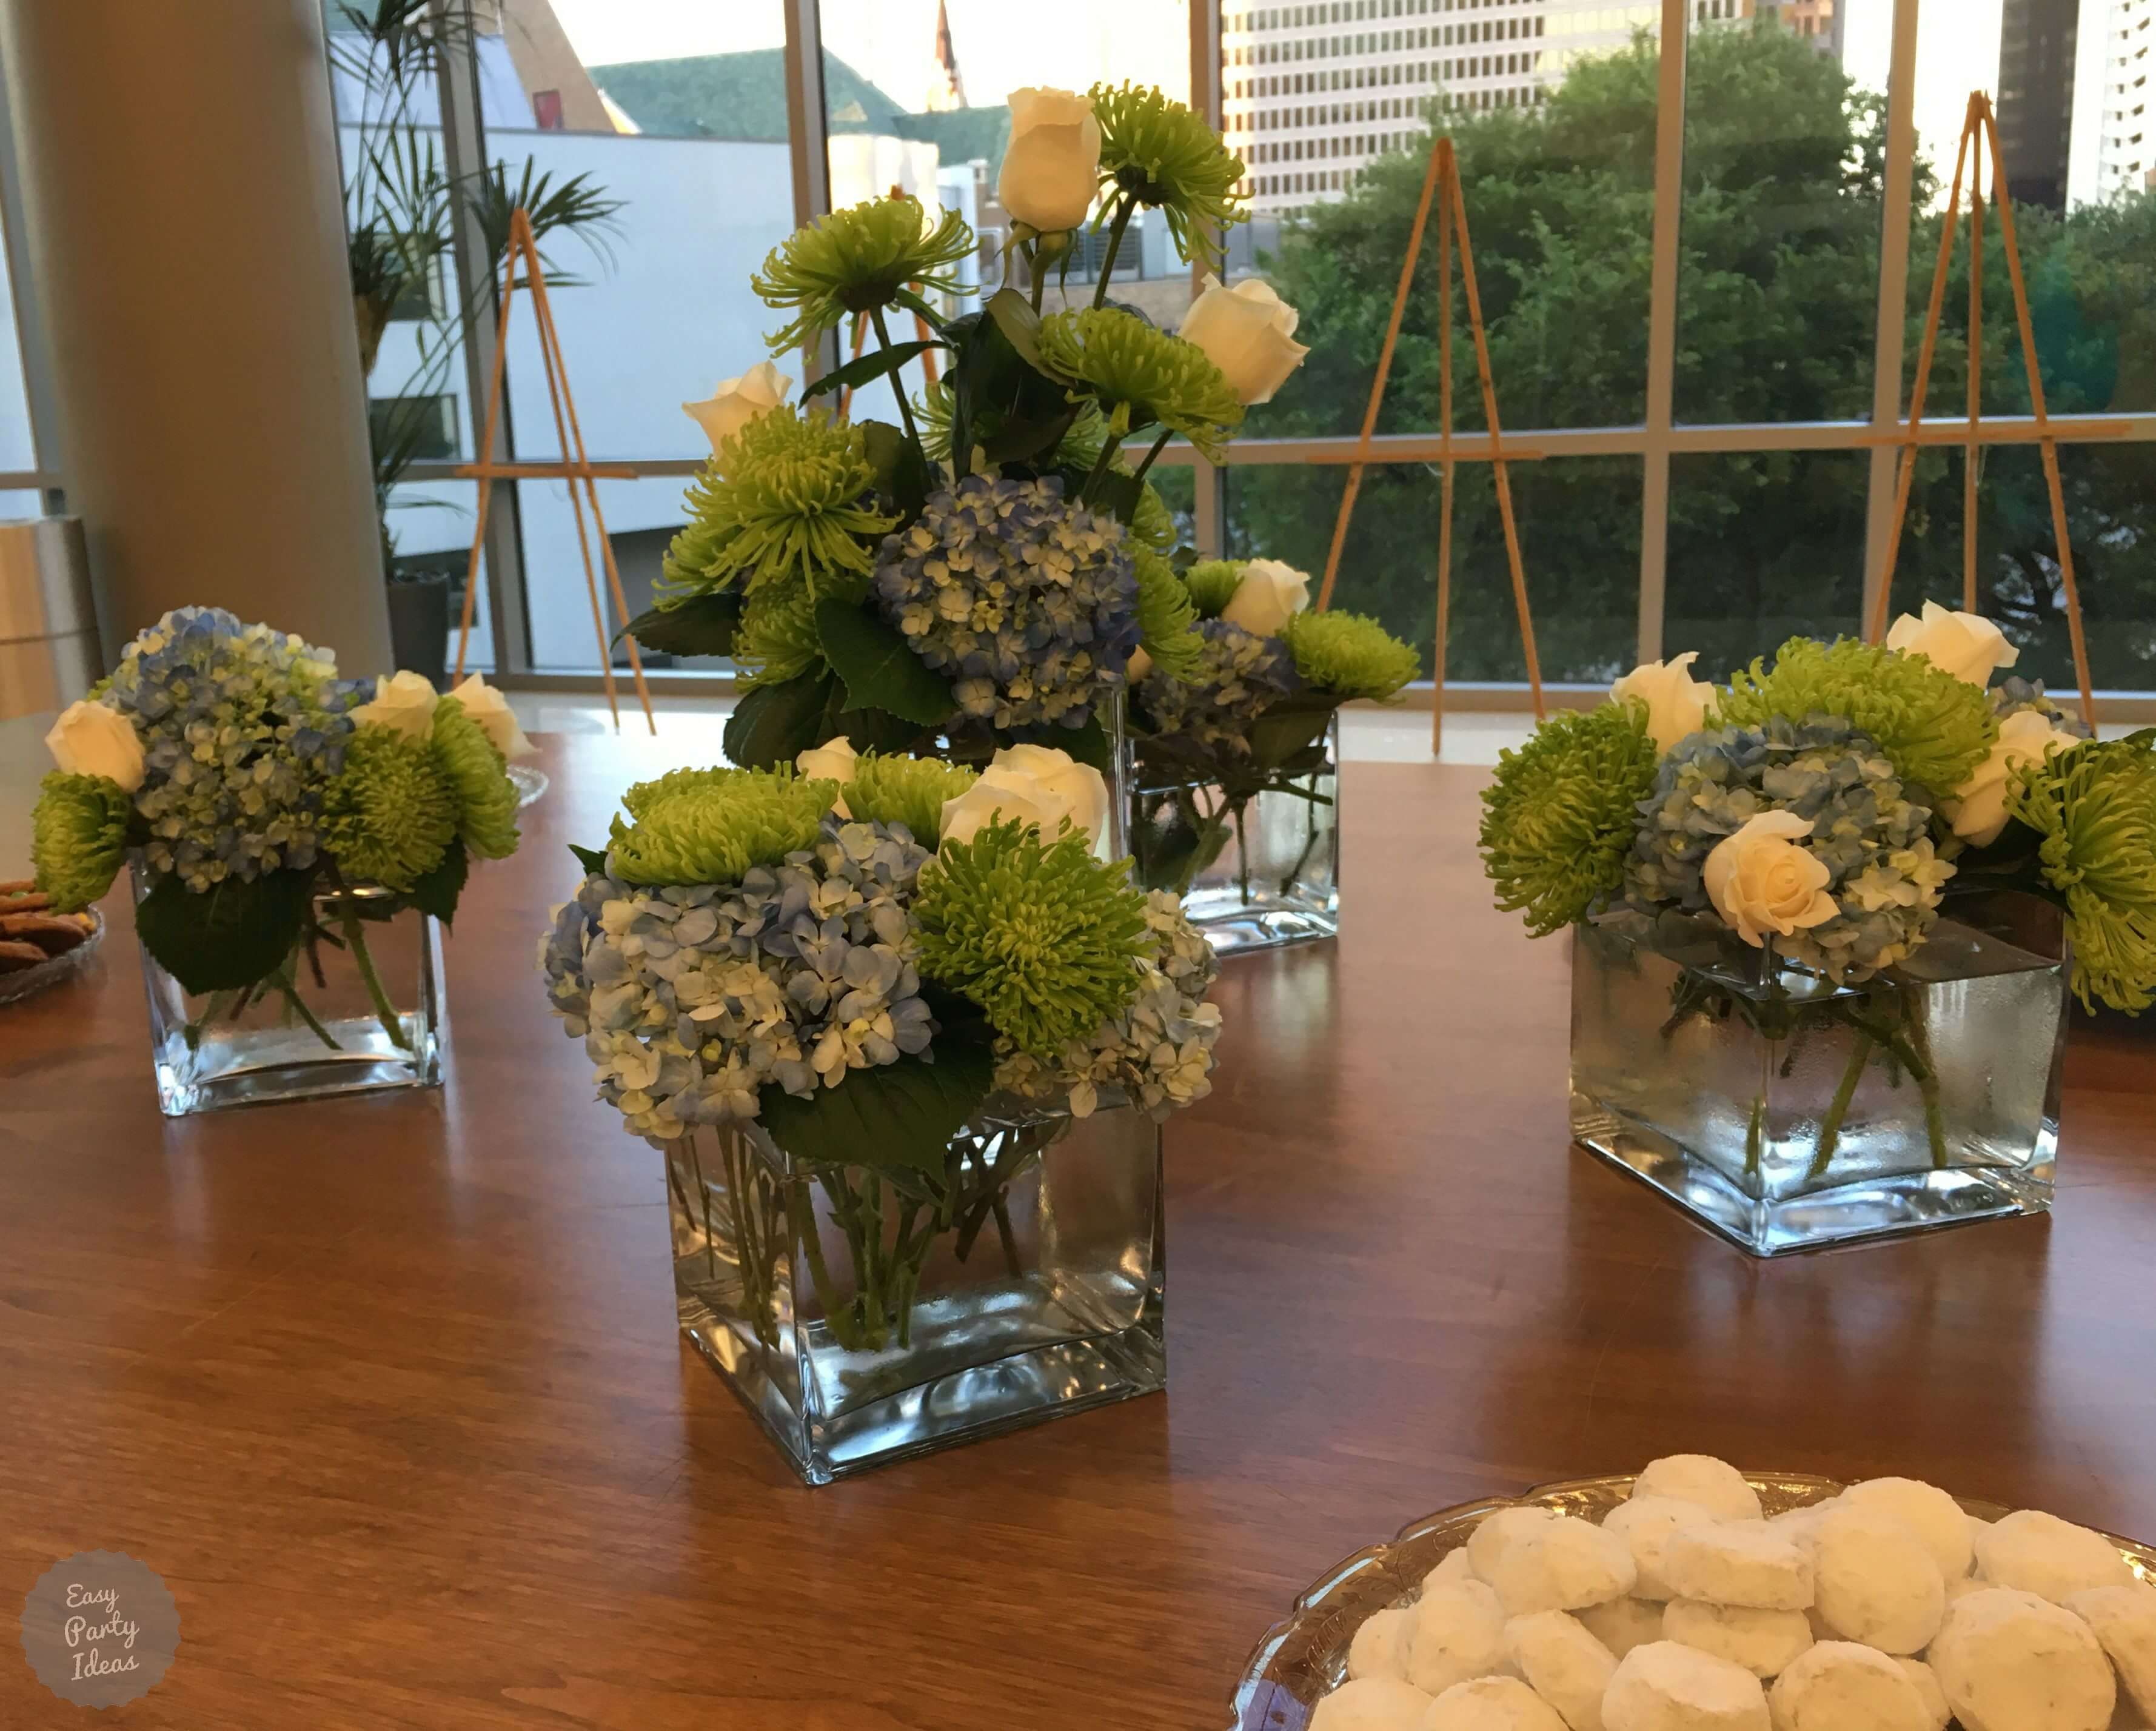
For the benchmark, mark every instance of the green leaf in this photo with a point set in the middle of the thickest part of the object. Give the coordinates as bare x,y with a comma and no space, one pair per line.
1023,437
914,303
879,668
875,730
864,368
1020,325
436,892
1088,744
1291,726
701,625
1118,494
593,860
775,724
900,1115
228,936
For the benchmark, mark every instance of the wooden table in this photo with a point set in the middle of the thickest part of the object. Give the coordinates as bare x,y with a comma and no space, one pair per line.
390,1391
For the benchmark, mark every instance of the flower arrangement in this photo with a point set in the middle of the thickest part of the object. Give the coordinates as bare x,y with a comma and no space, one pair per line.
1817,814
984,572
1245,714
260,793
868,957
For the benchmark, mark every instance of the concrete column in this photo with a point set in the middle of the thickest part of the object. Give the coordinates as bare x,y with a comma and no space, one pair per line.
187,234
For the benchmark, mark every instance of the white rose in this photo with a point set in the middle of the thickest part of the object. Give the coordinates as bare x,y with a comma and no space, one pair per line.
1052,165
1269,594
1676,702
490,709
1760,880
831,761
1035,784
1977,809
734,402
1248,332
93,738
1965,644
403,701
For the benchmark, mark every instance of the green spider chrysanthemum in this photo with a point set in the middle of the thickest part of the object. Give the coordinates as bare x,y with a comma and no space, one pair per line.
776,640
645,794
2095,807
857,259
1349,656
1559,818
1935,729
391,814
1043,937
906,790
1164,154
1141,376
1212,583
1167,624
786,499
712,832
78,838
477,773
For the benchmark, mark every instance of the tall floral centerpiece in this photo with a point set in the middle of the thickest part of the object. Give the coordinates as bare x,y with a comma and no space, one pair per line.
1823,916
292,848
982,572
904,1041
1236,804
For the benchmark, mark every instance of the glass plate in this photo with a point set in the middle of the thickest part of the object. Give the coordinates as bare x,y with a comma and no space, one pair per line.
16,987
1297,1663
530,784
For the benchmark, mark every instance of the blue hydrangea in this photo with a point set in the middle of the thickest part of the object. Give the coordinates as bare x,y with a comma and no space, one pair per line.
2013,695
689,1000
242,728
1874,839
1029,604
1240,676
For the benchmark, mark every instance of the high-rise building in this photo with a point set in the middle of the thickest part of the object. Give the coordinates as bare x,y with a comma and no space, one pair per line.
1821,22
2036,55
2111,153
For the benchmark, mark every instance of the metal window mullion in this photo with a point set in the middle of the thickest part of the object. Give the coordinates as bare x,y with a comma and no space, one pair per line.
1662,328
1896,217
34,343
807,133
463,158
1209,482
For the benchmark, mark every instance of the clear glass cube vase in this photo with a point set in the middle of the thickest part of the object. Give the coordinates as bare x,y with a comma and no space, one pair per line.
1788,1114
1255,854
866,1314
357,1006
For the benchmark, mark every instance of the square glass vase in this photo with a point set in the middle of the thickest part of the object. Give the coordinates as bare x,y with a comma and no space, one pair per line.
1788,1114
865,1315
1254,857
357,1006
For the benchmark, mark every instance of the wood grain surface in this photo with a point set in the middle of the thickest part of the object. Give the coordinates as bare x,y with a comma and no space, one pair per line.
390,1392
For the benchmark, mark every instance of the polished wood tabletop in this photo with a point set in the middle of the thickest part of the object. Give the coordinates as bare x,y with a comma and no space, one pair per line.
390,1390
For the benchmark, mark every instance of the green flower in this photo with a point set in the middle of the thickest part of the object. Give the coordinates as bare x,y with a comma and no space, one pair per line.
1348,655
1043,936
1559,819
1212,583
645,794
786,499
1167,624
2095,807
1164,154
391,814
78,838
776,640
1142,376
706,830
857,259
1935,729
906,790
476,770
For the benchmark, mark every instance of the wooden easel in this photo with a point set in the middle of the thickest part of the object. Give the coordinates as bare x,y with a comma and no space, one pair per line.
579,471
1979,126
1441,185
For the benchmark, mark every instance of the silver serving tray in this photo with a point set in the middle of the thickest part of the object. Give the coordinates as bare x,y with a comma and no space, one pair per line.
1298,1662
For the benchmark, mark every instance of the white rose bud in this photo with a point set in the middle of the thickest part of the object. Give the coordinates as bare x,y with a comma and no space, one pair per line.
831,761
1034,784
496,719
1248,332
1269,594
1761,881
403,701
1965,644
734,402
1676,702
1052,165
92,738
1977,809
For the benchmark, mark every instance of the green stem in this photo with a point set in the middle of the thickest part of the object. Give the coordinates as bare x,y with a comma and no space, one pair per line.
1000,1202
1158,445
1040,276
801,1206
1309,845
1755,1137
1100,468
1124,213
1242,853
1837,1110
385,1012
1927,1082
288,985
898,384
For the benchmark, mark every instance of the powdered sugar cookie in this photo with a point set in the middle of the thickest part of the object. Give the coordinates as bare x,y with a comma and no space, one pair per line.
1380,1645
2010,1661
1459,1635
1754,1566
1927,1686
1764,1642
1878,1581
1372,1703
1663,1687
1839,1686
2040,1554
1623,1624
1563,1664
1934,1515
1496,1533
1454,1567
1701,1478
1564,1564
1492,1703
2124,1620
1645,1523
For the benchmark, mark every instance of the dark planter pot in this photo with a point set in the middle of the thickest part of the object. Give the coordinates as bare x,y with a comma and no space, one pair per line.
419,627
